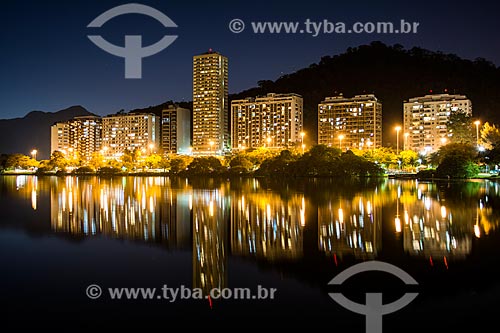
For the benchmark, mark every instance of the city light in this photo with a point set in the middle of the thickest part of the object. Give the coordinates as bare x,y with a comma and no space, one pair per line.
341,137
398,128
477,123
302,134
33,153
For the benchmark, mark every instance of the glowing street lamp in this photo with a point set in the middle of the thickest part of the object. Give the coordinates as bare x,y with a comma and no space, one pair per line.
398,128
302,134
211,143
341,137
33,153
477,122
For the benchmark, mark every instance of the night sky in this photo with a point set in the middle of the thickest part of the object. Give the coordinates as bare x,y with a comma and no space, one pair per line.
47,63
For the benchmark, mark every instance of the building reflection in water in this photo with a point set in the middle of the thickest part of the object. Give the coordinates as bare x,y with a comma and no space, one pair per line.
210,222
137,208
267,226
434,219
432,228
351,226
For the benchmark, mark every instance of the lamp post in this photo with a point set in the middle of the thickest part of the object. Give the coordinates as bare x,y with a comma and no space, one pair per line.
33,153
211,143
341,137
302,134
398,128
477,122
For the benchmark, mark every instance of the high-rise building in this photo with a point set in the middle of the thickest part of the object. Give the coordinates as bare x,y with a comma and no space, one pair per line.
350,122
275,120
122,132
60,139
175,130
426,120
210,104
79,137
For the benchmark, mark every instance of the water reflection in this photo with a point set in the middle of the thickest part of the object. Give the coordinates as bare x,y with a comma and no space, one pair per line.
244,218
268,226
351,226
431,228
210,212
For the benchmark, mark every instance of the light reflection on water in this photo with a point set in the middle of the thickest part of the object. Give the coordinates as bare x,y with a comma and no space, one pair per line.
246,218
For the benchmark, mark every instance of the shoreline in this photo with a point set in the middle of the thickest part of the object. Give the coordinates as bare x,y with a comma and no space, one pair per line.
229,176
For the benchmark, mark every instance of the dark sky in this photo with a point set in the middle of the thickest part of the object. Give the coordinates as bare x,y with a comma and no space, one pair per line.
47,63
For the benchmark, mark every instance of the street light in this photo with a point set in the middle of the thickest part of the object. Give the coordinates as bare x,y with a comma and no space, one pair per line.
477,122
406,135
33,153
443,141
398,128
341,137
211,143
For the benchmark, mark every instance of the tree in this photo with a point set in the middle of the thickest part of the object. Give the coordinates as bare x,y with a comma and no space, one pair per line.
408,158
58,161
130,158
153,161
490,136
454,166
205,165
96,161
179,163
467,152
20,161
240,164
461,128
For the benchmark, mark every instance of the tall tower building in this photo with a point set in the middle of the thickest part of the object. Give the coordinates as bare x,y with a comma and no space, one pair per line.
175,130
274,121
426,120
210,104
350,122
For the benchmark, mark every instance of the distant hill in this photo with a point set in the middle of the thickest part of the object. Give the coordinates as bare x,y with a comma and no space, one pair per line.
393,74
21,135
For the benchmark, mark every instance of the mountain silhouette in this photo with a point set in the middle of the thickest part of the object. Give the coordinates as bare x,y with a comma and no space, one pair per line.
393,74
22,135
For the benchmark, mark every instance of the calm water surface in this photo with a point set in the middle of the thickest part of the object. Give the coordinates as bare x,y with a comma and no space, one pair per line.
59,235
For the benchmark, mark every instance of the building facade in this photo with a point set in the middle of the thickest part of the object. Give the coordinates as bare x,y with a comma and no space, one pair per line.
122,132
348,123
210,104
79,137
274,121
176,130
426,120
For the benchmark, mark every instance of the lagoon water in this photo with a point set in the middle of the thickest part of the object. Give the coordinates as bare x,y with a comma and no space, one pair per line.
58,235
